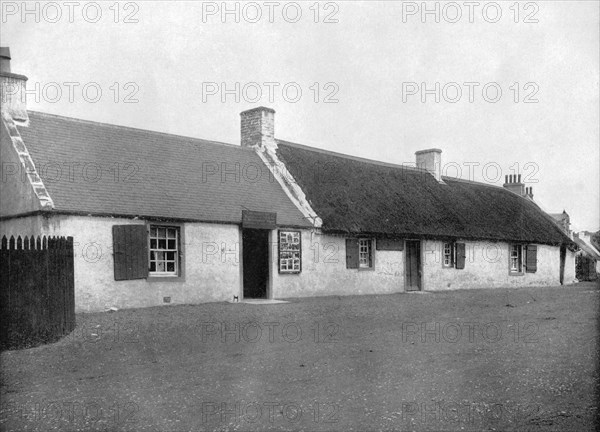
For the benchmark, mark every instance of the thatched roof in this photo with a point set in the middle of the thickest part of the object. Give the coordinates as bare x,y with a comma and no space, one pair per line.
353,195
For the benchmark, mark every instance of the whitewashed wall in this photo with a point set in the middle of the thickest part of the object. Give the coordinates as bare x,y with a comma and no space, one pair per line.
213,272
324,271
208,275
486,266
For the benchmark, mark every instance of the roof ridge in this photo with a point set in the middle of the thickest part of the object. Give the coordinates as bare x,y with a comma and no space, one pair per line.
461,180
352,157
386,164
166,134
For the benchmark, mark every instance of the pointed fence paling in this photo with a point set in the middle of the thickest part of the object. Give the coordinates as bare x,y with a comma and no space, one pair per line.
37,290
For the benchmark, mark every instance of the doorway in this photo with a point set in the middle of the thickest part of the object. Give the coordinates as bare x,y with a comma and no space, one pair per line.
563,257
255,256
413,265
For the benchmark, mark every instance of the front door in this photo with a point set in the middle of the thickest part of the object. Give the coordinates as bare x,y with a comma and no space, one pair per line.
413,265
255,255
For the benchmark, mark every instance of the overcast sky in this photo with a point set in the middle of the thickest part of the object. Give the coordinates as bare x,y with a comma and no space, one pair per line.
369,60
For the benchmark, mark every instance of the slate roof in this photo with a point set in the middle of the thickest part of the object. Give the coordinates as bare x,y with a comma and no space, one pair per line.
159,175
359,196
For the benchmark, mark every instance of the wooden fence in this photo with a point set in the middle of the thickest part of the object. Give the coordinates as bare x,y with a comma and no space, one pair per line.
37,290
585,268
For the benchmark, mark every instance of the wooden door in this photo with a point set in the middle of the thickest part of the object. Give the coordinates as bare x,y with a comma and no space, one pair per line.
413,265
255,245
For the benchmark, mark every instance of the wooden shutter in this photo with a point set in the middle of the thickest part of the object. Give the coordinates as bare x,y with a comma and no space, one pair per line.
352,253
460,256
130,252
531,259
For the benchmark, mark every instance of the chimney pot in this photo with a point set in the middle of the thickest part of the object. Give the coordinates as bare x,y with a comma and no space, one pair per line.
514,185
506,179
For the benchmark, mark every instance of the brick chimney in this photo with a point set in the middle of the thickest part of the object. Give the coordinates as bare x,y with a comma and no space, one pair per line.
12,90
513,183
258,128
430,160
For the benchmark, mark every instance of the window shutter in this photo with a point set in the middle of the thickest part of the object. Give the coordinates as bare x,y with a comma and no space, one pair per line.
460,256
130,252
531,259
352,253
371,252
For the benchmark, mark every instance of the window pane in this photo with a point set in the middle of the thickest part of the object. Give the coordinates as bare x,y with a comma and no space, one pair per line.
163,249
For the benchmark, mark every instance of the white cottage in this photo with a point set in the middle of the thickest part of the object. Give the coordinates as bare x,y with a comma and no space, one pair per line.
159,218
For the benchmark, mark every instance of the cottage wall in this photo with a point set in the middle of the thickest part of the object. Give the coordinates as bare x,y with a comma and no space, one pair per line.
213,272
570,267
209,275
324,271
486,266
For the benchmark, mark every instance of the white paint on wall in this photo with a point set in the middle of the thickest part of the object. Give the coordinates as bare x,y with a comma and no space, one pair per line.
487,266
570,271
324,270
210,274
212,267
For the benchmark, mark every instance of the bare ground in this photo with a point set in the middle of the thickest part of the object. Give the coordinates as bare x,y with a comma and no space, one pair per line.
466,360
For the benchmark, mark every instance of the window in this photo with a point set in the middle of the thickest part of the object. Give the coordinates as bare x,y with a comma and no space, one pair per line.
290,252
140,251
359,253
454,255
448,255
365,258
164,251
516,258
